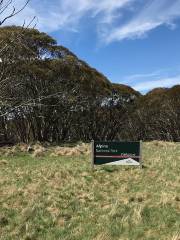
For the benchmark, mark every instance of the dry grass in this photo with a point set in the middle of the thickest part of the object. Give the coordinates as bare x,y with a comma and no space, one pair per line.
3,162
176,236
83,149
23,147
39,151
54,194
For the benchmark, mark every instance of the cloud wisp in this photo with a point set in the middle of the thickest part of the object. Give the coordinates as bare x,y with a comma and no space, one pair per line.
164,82
115,20
67,15
152,15
148,81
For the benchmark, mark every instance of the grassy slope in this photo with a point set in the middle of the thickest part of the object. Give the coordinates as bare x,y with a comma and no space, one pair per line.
60,198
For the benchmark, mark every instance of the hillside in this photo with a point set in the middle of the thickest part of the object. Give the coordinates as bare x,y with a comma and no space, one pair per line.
124,89
50,197
49,90
48,94
35,51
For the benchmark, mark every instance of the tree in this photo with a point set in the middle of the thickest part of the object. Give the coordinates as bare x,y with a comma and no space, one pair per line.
156,116
47,84
7,11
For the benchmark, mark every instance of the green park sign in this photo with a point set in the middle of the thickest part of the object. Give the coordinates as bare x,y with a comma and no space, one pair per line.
116,153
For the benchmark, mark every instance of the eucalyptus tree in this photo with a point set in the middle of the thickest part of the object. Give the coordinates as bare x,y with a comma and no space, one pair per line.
48,85
7,11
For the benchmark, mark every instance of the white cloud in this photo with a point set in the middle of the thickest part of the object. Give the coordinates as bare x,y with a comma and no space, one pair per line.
115,20
152,15
150,84
141,77
144,82
59,14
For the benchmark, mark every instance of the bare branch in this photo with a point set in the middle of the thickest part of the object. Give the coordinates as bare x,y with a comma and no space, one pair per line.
3,8
14,11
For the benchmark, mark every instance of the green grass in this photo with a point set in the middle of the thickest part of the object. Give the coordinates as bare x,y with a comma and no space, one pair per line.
61,198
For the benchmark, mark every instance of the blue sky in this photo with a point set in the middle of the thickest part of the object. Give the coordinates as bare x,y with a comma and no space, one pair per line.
134,42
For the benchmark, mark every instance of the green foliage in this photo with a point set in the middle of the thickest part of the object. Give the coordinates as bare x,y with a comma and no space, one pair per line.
31,50
157,115
48,94
125,90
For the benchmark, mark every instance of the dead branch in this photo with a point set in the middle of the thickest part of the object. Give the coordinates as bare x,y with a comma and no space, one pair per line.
14,11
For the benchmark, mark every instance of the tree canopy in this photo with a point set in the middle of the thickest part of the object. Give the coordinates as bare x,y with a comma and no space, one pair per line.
48,94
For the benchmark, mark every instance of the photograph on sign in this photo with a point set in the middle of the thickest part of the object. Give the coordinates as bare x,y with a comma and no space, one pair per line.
116,153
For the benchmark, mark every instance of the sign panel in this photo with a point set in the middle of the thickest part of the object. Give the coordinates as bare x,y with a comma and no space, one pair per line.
116,153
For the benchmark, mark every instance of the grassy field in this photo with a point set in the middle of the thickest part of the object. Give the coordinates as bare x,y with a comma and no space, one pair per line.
61,198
